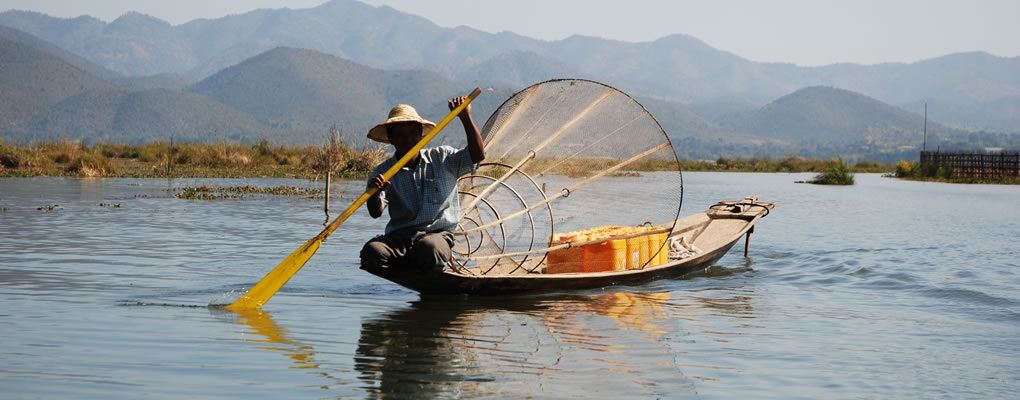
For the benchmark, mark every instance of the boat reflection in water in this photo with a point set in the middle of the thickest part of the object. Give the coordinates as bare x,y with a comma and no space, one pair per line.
617,343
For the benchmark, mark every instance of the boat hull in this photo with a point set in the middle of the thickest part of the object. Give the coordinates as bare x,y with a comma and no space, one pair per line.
717,230
451,283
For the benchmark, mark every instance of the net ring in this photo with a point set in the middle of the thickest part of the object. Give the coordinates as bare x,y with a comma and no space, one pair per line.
591,136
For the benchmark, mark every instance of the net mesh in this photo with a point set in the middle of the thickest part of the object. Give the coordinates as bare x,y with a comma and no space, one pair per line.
563,156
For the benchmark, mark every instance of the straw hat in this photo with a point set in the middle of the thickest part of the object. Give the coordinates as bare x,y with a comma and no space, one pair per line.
400,113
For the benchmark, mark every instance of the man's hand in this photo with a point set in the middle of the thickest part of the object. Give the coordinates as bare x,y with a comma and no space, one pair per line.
375,204
379,182
474,138
456,102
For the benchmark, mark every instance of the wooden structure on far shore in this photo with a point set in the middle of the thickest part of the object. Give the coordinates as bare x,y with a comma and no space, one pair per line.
974,165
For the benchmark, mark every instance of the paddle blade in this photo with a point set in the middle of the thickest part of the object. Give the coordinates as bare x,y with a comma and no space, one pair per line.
267,287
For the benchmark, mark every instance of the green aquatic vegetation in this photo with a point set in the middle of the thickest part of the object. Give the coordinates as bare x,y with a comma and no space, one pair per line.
205,192
274,190
837,173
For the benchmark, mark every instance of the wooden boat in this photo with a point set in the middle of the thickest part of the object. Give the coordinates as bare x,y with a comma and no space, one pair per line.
714,231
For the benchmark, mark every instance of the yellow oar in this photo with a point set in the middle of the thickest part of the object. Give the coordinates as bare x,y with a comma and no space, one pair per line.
274,280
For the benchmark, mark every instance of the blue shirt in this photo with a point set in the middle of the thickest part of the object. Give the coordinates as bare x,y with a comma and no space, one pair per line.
425,198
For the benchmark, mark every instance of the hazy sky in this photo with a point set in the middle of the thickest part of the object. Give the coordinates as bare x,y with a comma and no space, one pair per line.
804,32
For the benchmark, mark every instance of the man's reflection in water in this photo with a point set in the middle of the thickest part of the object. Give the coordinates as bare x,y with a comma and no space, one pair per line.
426,349
618,342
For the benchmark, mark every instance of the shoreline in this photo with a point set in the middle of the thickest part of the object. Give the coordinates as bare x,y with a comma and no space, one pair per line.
959,181
188,160
234,160
135,169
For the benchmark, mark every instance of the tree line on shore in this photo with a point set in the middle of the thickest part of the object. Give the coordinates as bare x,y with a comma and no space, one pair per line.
226,159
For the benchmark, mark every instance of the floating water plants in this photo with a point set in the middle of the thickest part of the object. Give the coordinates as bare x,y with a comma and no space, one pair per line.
236,192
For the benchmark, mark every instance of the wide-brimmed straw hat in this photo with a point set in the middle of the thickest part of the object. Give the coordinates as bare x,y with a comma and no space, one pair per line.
400,113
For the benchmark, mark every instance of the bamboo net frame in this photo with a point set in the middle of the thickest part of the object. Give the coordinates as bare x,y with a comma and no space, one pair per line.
558,129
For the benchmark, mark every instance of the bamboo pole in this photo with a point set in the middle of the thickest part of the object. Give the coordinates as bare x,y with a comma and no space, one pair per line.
329,174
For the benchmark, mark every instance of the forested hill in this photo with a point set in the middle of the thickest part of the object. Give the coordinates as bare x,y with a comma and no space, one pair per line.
31,80
285,95
822,114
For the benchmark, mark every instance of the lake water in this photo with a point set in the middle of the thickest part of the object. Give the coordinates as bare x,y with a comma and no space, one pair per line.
885,289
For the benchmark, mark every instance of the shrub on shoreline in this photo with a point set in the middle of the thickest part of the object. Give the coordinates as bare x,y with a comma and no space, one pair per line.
91,165
10,157
912,169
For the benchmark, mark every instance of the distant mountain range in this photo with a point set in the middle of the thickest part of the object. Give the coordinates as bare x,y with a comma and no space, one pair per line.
285,95
974,91
286,75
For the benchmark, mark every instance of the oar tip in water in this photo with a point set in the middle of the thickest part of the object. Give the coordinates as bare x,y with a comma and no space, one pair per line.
241,305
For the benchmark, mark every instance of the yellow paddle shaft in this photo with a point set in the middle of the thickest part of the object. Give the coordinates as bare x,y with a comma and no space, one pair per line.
275,279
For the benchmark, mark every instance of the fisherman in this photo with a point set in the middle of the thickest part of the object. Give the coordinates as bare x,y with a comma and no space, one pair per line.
422,197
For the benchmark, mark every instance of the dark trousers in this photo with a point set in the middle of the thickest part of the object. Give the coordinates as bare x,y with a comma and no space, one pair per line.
412,250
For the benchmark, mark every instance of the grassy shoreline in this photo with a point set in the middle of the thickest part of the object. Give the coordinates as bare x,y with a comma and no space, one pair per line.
188,160
233,160
787,164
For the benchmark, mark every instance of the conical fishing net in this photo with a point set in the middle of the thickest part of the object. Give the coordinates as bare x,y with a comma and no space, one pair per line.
570,164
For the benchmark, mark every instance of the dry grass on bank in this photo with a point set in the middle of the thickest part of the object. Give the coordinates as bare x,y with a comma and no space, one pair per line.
223,159
162,159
